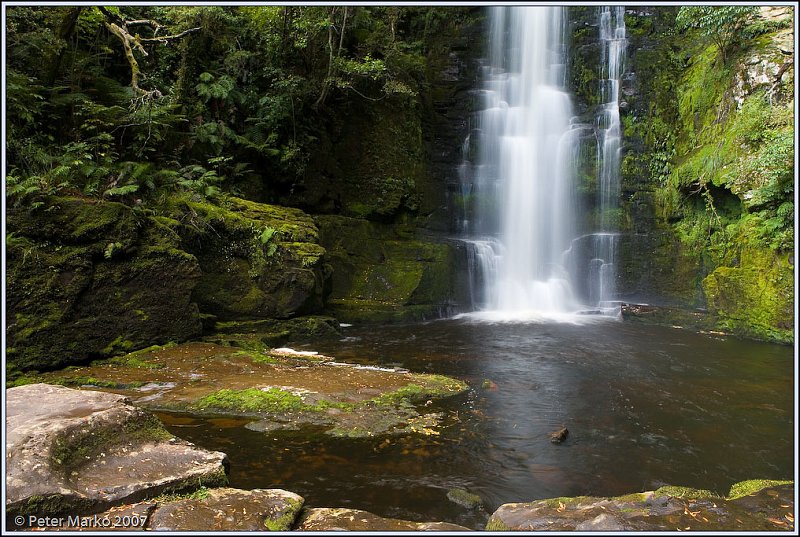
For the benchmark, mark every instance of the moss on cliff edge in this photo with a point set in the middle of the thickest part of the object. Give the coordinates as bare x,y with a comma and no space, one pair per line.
710,138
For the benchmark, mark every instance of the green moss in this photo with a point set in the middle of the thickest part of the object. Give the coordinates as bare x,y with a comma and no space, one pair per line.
464,498
92,381
199,494
253,400
285,519
257,357
120,344
746,488
23,380
555,503
636,497
755,298
496,524
684,492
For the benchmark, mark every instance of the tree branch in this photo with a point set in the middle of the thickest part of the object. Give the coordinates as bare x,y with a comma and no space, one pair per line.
119,27
167,38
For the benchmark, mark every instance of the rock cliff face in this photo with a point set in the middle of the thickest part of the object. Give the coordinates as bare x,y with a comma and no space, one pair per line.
705,195
91,279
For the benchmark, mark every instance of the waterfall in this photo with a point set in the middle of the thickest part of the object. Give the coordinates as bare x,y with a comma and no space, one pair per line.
613,41
522,208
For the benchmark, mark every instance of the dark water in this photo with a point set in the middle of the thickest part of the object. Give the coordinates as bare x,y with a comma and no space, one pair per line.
645,406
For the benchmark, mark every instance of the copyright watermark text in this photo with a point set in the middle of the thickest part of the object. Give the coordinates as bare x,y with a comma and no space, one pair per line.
96,522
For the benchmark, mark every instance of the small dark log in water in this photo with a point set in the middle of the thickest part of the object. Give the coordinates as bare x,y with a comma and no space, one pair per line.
558,436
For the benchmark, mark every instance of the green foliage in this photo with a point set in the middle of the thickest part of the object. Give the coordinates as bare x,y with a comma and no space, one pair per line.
241,106
211,87
722,25
111,248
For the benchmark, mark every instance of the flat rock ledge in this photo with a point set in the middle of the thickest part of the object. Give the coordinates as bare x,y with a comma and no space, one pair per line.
338,519
755,507
229,509
71,452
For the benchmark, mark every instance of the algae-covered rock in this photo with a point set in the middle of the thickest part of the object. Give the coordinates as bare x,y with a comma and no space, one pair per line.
464,498
78,451
92,279
276,389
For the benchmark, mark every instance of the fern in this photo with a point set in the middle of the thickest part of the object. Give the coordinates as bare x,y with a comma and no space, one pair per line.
121,190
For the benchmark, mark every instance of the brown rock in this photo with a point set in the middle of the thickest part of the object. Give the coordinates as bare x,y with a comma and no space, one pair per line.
76,451
229,509
335,519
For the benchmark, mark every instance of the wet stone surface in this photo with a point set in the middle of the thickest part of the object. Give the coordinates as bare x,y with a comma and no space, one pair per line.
771,508
278,388
230,510
72,451
336,519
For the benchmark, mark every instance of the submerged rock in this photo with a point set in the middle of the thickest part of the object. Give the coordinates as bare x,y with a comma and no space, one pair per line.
72,451
464,498
755,506
334,519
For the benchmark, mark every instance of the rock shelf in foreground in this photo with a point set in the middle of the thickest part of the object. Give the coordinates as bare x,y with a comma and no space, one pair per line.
70,451
751,506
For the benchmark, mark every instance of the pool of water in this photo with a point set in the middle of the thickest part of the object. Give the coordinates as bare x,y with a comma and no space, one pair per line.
645,406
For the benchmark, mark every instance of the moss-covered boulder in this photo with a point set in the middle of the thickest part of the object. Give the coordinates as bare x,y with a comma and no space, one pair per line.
91,278
755,298
383,273
256,260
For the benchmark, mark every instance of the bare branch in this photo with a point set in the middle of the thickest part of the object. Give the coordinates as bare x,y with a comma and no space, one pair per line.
119,27
167,38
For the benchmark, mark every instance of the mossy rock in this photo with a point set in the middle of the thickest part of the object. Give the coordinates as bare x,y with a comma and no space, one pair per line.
685,492
755,298
91,279
383,273
256,260
464,498
752,486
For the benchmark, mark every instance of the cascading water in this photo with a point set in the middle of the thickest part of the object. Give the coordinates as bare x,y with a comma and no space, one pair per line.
613,41
521,193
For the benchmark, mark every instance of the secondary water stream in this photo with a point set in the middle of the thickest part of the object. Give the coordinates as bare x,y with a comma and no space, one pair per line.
645,406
